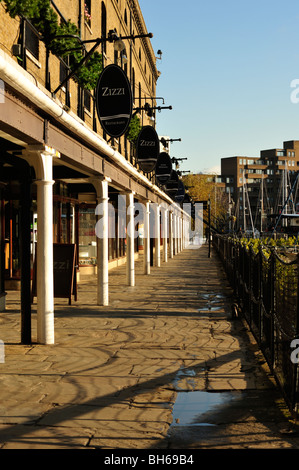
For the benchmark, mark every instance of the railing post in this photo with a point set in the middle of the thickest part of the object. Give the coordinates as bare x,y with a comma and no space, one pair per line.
295,392
260,293
272,303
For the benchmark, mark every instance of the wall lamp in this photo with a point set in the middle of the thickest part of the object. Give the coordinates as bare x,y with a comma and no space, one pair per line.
159,52
164,142
112,38
149,109
177,160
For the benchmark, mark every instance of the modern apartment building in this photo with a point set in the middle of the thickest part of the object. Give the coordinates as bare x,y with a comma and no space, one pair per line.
56,162
261,184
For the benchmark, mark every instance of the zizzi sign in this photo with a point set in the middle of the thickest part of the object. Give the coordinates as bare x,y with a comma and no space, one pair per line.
163,168
180,195
172,185
147,149
114,101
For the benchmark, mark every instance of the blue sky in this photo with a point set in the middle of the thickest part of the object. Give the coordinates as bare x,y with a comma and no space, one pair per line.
226,68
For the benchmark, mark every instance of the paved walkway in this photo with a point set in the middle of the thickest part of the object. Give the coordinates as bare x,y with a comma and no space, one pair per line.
163,367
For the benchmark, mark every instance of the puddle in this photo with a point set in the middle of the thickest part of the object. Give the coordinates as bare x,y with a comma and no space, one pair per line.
210,309
214,297
213,302
185,377
194,408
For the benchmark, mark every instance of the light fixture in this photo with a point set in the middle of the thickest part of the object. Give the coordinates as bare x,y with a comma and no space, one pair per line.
119,45
124,59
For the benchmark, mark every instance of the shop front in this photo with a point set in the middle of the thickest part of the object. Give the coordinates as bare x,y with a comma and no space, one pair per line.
2,259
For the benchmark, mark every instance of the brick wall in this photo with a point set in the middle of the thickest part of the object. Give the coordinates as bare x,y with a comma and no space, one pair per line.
124,16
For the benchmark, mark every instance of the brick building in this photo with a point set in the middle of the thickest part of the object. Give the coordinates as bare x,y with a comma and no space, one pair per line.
56,162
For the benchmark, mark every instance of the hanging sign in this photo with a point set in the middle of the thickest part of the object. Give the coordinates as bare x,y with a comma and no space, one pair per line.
172,185
179,197
114,101
163,168
147,149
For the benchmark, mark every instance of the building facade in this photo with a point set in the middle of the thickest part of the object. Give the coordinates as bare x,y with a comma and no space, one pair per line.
260,185
57,165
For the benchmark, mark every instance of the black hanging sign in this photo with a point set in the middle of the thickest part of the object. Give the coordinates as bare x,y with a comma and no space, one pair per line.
163,168
147,149
179,197
172,185
114,101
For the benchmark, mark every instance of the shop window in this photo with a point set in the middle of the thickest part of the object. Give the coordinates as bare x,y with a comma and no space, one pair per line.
87,236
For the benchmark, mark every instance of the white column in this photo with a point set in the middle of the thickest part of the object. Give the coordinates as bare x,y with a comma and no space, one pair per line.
156,208
44,271
165,230
146,240
102,213
181,231
171,234
130,239
42,161
175,233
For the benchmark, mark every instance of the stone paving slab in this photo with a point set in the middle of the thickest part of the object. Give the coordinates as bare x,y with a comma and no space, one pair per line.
116,374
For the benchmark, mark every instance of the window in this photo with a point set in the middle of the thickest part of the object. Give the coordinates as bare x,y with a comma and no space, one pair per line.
280,153
133,83
87,100
31,41
104,26
62,72
140,103
87,11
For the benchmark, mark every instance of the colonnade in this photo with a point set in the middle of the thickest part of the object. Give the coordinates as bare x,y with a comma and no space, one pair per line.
160,221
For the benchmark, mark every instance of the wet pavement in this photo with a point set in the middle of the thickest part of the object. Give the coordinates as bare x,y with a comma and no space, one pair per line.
165,366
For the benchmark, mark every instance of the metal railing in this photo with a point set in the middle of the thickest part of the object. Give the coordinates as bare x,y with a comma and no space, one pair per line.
266,286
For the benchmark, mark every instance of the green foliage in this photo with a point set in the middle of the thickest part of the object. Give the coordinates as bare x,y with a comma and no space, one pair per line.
134,130
27,8
45,20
